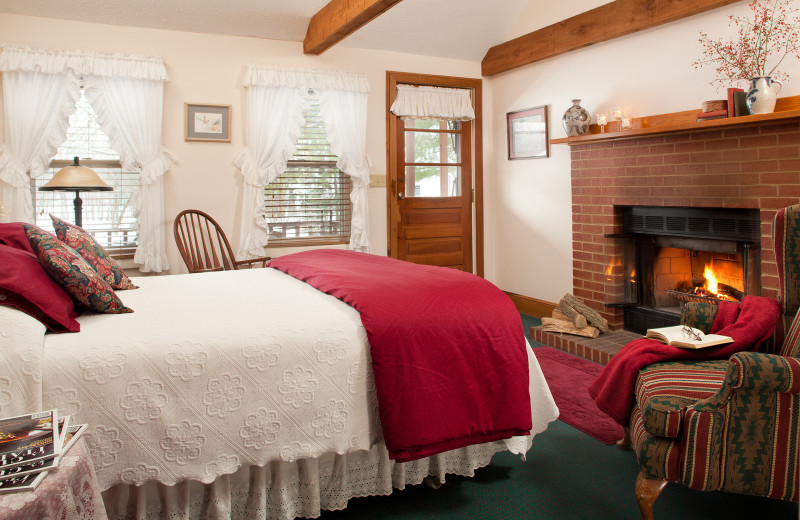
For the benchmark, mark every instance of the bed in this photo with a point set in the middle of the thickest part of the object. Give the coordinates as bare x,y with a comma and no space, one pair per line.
237,394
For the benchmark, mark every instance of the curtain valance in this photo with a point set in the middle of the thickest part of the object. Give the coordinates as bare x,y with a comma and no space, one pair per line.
56,61
305,79
453,104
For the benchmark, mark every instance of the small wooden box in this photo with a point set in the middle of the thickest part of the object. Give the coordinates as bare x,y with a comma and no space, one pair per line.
715,104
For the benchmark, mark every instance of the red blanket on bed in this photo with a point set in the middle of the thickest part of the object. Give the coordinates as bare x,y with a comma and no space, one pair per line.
448,349
749,323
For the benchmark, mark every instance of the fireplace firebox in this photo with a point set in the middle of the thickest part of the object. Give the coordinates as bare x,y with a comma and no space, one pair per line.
667,256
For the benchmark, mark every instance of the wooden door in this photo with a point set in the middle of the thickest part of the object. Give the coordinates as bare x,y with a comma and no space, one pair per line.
432,188
434,180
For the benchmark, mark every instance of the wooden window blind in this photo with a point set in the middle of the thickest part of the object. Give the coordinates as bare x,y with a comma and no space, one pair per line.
310,202
107,215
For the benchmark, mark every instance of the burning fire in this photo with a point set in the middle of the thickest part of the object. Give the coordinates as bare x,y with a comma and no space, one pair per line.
614,265
711,280
711,286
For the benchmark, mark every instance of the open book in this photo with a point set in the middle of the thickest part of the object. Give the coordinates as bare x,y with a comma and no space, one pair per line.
678,337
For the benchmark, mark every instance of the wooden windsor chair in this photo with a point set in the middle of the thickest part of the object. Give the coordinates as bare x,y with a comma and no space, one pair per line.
204,246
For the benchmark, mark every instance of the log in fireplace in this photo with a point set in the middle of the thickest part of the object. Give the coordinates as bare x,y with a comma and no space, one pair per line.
667,256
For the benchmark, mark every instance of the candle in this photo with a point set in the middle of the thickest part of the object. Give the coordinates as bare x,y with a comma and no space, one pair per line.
618,113
626,122
602,119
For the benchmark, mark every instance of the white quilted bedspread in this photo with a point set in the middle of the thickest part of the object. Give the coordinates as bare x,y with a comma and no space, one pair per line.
211,372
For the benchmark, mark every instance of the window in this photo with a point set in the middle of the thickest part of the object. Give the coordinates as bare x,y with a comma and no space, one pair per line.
432,158
310,202
107,215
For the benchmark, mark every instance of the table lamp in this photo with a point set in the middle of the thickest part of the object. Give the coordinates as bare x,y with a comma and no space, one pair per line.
76,178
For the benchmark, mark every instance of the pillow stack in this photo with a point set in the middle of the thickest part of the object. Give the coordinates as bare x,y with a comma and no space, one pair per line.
46,276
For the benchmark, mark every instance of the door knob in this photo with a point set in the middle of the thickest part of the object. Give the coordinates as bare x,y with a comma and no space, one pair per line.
401,195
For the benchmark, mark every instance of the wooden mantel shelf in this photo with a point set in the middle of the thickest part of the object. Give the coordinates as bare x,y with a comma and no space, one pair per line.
676,122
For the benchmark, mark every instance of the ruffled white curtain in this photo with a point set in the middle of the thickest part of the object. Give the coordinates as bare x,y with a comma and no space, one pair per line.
425,102
41,87
37,108
130,112
274,121
345,116
277,101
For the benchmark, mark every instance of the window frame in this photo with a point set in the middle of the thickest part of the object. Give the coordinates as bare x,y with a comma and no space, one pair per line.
39,197
329,162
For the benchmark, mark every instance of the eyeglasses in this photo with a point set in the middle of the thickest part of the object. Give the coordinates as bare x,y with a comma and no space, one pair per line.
691,333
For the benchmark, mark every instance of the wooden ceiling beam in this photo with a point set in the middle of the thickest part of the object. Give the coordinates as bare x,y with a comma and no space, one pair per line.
600,24
339,19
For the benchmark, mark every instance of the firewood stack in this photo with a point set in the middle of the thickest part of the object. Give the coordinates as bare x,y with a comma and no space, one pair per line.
572,316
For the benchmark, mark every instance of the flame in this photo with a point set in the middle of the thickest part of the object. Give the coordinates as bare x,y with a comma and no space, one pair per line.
711,280
615,262
711,286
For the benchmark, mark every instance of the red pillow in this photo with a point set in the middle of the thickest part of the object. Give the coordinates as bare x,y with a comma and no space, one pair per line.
86,246
25,284
13,234
72,273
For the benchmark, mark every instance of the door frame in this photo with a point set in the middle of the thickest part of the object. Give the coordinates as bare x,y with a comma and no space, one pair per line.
394,78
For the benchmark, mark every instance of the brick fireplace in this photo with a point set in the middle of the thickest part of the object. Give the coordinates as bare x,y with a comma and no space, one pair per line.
754,167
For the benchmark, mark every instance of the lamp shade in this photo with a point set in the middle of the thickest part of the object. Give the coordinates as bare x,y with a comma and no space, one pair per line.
76,178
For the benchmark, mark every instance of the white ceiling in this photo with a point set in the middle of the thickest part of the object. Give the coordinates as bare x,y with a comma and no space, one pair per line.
463,29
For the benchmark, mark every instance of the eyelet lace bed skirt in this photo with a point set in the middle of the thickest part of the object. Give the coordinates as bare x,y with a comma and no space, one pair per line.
285,490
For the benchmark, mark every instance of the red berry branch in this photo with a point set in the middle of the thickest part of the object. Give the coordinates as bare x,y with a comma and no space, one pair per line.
761,43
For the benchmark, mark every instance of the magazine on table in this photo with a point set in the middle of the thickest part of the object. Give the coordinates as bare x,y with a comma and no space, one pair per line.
686,337
67,435
29,438
27,454
71,435
23,483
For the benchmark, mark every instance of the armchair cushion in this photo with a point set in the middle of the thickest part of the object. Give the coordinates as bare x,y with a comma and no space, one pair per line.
699,315
665,390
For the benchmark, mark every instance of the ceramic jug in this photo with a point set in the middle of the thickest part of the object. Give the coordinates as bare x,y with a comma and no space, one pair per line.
576,119
762,94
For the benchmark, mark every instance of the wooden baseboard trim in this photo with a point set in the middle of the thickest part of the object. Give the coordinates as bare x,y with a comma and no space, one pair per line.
532,306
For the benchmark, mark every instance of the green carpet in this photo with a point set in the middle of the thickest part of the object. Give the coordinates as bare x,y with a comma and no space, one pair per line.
567,476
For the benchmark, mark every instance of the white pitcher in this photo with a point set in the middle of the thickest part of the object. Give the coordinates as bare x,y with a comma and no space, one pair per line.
762,95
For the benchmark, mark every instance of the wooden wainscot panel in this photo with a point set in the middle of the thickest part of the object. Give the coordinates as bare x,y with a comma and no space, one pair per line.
423,216
437,231
441,260
434,245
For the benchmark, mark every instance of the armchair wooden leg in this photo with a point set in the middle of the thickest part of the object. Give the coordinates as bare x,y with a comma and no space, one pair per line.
625,442
647,491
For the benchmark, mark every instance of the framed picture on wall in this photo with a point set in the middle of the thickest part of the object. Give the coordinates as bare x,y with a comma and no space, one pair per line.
207,122
527,133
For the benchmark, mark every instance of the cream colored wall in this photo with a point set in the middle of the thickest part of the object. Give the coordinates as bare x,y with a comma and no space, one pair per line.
209,69
529,238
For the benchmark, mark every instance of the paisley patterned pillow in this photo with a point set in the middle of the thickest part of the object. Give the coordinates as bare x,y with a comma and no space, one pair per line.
72,273
86,246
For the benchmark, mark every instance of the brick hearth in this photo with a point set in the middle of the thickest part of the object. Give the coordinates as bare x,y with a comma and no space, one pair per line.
737,167
599,349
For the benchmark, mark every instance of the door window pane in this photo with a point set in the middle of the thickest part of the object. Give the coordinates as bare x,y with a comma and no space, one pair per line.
433,181
432,147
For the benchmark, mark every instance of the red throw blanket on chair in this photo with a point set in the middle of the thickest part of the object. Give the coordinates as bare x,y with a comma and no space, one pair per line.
448,349
749,323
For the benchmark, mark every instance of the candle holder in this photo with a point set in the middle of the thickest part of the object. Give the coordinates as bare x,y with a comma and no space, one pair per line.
618,111
602,121
623,116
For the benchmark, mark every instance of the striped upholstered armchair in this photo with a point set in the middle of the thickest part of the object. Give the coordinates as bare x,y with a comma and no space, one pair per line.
733,424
